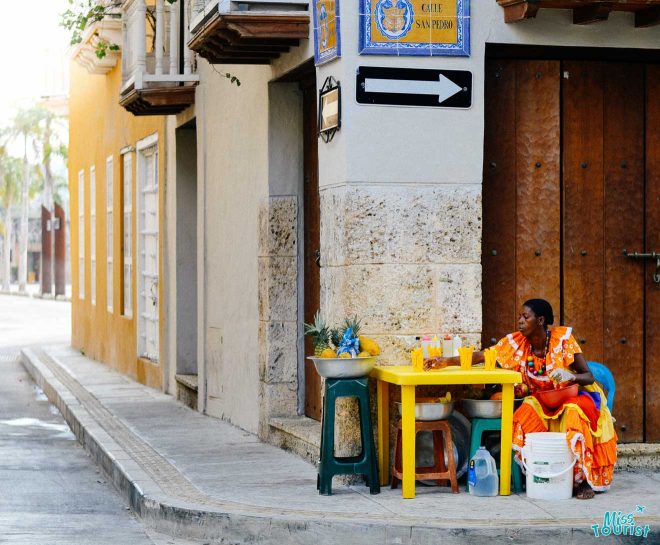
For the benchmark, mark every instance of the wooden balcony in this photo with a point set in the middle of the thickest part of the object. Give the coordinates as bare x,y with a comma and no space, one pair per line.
249,32
647,12
158,70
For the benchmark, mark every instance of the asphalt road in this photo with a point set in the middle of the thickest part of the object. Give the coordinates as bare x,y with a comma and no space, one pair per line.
51,493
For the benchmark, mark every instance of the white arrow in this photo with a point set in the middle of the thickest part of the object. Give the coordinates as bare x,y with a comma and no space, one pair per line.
444,87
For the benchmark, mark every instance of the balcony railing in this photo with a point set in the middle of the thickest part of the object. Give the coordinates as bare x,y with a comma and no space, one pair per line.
158,69
247,31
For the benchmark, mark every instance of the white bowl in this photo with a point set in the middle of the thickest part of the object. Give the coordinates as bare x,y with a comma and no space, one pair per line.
343,367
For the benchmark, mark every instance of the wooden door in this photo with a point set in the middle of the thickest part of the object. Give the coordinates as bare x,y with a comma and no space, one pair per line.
578,188
603,176
652,216
521,190
312,230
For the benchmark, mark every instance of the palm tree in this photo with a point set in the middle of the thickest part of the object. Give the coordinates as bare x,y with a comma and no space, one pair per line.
48,143
10,184
27,125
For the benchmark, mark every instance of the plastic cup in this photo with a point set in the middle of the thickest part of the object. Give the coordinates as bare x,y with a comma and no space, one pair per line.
490,356
417,357
465,356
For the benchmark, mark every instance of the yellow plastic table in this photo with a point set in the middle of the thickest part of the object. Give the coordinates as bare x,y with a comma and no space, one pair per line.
406,377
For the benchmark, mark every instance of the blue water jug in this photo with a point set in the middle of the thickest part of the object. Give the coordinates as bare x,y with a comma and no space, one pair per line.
482,474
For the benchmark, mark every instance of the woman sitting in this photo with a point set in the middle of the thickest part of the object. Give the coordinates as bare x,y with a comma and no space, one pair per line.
546,356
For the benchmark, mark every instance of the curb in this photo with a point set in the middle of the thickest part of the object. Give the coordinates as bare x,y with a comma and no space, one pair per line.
234,523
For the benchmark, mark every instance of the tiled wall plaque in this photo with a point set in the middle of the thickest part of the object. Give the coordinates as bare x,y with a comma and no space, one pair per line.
327,37
415,27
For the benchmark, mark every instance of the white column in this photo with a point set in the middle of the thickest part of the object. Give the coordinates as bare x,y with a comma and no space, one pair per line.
174,37
160,30
140,42
187,53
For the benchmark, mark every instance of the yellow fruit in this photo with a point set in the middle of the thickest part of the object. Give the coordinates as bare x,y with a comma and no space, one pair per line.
344,355
369,345
328,353
364,354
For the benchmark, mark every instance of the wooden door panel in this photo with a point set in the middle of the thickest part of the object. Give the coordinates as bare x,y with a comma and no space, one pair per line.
582,126
499,202
652,244
624,229
312,229
538,223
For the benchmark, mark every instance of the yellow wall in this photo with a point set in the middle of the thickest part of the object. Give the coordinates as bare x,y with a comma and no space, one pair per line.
100,127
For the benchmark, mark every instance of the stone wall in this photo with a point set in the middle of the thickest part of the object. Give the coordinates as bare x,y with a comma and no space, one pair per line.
278,312
406,259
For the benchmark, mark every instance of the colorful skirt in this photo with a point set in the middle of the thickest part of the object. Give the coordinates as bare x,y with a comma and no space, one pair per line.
590,435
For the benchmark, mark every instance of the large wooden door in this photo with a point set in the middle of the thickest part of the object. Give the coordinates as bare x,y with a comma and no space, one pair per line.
571,173
312,230
652,267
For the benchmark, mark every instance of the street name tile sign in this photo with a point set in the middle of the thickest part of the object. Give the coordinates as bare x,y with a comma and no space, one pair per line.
414,87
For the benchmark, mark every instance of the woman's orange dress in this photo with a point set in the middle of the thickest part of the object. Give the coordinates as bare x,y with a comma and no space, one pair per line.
589,431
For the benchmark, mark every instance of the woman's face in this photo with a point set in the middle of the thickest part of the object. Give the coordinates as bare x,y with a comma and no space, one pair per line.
528,322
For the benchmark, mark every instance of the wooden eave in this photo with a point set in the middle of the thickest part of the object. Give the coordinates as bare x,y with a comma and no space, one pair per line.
158,101
243,37
647,12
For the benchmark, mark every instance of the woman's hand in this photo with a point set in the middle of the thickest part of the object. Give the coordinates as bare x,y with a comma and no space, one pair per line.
436,363
562,375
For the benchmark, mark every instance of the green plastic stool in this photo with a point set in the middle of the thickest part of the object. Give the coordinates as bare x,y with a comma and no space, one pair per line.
479,426
364,463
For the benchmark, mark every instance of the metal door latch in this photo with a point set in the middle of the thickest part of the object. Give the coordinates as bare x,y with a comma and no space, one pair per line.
648,255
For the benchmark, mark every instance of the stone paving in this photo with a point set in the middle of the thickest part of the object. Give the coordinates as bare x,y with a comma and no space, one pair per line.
51,493
199,477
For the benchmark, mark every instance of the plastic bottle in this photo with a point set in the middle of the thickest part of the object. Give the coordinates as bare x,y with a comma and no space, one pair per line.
447,347
457,343
482,474
426,341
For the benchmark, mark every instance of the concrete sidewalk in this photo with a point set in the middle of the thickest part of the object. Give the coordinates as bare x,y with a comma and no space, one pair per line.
198,477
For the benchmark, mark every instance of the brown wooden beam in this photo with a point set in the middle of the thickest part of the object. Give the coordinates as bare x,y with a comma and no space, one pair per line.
518,10
591,13
647,17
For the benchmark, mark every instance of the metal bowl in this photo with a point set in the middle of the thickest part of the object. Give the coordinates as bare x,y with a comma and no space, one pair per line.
430,410
343,367
482,408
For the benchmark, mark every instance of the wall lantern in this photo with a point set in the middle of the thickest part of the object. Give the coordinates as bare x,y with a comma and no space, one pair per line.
329,109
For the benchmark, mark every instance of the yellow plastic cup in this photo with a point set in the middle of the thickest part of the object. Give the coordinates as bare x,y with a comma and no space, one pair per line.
490,355
465,356
417,357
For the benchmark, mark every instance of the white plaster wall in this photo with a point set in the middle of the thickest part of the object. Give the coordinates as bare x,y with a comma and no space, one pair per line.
385,144
234,128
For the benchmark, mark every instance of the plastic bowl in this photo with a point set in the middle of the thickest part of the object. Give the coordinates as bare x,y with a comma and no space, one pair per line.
482,408
430,410
555,398
343,367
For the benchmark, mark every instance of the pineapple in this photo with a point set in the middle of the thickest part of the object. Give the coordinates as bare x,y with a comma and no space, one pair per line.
335,336
320,334
354,324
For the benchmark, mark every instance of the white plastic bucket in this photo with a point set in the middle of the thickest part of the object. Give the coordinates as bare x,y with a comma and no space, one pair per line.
549,465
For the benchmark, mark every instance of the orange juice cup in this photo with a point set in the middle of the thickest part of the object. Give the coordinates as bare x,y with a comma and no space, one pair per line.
417,357
490,356
465,356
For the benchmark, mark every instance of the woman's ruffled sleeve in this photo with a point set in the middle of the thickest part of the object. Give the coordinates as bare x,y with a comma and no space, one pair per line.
508,350
570,347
